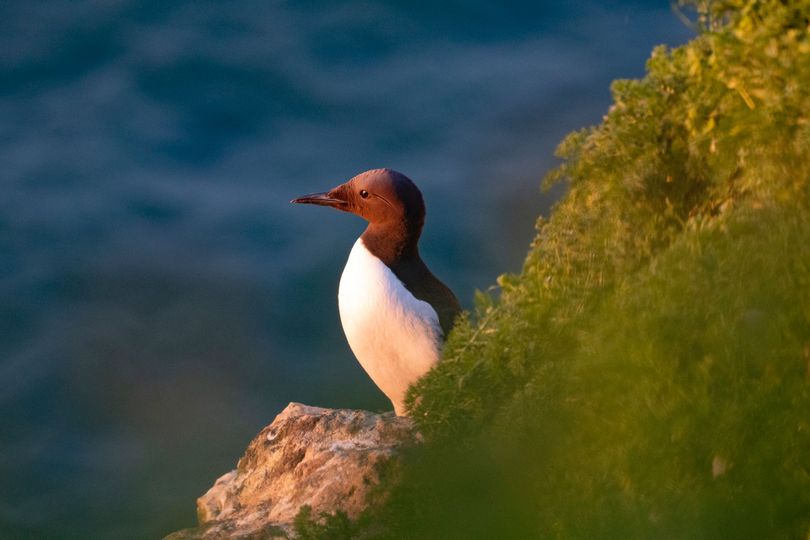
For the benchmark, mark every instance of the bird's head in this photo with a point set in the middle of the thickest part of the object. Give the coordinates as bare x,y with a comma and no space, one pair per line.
380,196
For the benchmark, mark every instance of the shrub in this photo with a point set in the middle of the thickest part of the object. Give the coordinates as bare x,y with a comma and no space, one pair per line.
647,374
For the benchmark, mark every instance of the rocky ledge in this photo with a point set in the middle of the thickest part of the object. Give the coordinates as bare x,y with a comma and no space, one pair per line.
327,459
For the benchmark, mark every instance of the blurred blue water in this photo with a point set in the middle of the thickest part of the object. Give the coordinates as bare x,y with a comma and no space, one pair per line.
160,300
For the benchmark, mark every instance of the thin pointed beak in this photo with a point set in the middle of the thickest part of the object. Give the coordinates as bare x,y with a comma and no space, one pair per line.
321,199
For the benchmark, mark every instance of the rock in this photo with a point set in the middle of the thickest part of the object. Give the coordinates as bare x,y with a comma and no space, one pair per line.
328,459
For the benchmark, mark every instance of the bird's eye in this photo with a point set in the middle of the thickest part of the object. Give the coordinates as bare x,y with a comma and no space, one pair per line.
364,193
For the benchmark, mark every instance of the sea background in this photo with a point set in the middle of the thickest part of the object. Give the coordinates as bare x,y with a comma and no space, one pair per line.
160,299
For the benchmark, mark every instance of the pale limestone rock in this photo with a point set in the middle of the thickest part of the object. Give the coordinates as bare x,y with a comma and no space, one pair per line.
328,459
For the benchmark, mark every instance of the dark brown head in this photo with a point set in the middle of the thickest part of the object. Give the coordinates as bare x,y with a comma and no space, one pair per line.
388,200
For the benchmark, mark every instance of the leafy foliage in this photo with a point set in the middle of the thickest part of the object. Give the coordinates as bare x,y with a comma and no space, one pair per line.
328,526
648,372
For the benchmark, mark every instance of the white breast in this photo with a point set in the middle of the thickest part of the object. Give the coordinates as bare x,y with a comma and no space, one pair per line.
395,336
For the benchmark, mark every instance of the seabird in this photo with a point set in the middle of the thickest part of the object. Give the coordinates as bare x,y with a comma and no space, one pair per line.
394,311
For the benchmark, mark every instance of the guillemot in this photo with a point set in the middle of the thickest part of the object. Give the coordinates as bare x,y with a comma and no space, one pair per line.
394,311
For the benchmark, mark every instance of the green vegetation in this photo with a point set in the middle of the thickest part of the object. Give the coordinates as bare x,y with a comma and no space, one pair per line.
335,526
648,372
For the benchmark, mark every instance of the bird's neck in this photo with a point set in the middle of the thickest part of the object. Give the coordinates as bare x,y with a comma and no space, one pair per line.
393,242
